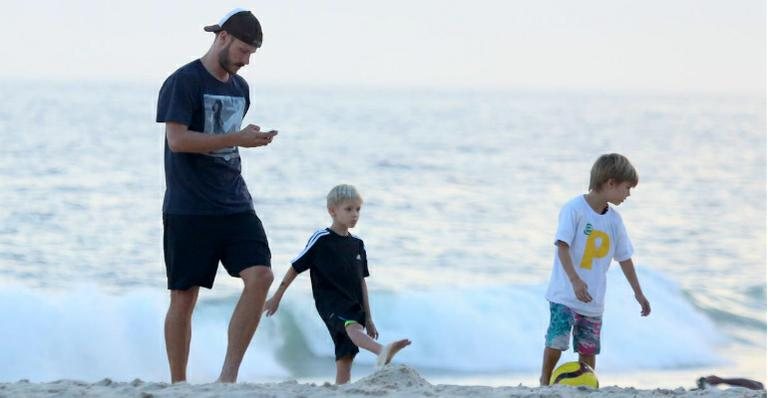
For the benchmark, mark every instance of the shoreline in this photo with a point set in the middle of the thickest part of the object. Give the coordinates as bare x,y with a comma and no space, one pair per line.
392,380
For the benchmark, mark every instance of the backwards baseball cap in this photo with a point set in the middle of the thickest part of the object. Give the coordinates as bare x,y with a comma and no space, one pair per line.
240,23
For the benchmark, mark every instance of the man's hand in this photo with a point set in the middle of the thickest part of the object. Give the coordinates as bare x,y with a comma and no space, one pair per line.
646,306
251,136
581,290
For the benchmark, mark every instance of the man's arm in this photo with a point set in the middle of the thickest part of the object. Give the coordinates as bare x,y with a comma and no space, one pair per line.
369,326
579,287
270,307
628,267
181,139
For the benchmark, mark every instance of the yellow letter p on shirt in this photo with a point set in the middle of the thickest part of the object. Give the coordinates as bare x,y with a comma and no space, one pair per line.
592,251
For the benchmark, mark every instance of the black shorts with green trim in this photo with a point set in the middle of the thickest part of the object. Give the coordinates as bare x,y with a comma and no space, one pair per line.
336,322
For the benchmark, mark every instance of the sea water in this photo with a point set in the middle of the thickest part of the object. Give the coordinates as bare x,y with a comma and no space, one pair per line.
462,190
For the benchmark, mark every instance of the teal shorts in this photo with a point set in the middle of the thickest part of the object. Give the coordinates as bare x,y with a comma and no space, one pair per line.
586,330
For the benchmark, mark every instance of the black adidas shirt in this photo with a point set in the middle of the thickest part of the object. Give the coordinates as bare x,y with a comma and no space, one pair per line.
337,265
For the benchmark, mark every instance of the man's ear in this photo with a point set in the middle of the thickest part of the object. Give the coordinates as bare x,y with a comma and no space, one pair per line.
222,36
331,211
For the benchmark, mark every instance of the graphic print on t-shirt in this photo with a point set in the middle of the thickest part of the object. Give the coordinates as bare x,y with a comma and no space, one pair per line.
223,114
593,249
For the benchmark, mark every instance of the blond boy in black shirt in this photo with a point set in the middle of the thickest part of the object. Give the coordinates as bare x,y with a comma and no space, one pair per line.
338,267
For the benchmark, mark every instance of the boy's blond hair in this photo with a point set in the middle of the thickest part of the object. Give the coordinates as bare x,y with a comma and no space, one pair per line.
341,193
612,166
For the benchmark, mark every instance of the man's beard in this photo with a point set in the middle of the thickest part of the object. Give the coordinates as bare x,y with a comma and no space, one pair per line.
226,63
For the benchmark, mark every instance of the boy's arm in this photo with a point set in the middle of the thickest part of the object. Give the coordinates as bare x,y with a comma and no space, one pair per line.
270,307
628,267
369,326
579,287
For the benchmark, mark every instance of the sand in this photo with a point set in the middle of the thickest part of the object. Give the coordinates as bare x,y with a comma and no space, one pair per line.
392,381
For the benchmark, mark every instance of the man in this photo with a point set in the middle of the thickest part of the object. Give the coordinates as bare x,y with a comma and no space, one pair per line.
208,213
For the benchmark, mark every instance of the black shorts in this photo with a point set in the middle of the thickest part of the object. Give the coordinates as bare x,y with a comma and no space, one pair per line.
194,245
335,322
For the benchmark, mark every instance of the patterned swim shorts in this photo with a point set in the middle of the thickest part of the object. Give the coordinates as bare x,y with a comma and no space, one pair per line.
586,330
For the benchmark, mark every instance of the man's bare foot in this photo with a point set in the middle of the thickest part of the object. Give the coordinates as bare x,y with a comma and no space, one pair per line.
389,351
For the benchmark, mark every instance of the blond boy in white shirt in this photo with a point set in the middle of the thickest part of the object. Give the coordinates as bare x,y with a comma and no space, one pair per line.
590,234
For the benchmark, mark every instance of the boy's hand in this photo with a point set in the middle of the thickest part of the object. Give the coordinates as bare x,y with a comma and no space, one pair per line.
646,306
581,290
370,328
270,307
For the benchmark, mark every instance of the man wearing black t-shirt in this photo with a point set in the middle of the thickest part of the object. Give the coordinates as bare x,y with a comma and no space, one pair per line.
208,214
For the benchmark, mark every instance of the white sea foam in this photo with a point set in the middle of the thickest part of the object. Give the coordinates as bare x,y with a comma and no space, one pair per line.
501,328
89,334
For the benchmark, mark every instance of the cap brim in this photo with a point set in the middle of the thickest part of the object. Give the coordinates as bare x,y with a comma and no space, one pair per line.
212,28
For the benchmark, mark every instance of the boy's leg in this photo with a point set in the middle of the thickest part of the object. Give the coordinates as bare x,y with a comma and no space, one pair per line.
588,359
551,356
245,319
357,334
586,338
178,331
344,370
561,320
361,339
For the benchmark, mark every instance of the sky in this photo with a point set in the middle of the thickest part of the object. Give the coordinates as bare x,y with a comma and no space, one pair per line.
650,45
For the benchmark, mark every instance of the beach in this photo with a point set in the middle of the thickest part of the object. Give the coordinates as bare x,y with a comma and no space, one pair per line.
458,235
391,381
465,127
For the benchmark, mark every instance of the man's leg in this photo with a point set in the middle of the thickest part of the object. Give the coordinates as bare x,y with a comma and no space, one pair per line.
344,370
245,319
178,331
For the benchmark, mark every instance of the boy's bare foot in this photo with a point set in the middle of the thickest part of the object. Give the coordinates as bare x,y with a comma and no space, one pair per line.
389,351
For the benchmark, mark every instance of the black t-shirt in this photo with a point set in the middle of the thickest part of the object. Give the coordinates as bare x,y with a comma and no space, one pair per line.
337,265
204,183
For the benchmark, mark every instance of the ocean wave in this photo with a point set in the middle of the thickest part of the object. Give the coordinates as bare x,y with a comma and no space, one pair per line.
88,334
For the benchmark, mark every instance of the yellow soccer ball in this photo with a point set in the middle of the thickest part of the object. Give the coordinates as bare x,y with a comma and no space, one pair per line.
574,374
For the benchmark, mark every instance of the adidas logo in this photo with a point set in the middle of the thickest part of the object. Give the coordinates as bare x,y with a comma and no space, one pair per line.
358,258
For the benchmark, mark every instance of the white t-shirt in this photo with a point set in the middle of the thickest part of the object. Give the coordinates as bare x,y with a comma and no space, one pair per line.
594,240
